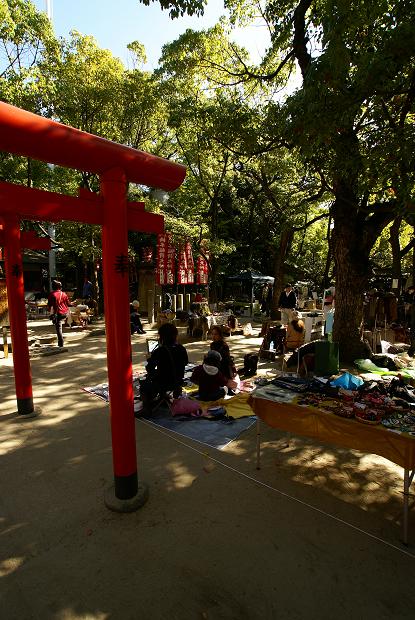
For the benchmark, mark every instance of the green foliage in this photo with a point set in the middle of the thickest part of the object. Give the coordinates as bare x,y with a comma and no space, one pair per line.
178,8
259,164
25,36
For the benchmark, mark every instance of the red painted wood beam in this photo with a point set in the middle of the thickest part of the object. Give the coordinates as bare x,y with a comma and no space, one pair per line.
38,204
29,240
24,133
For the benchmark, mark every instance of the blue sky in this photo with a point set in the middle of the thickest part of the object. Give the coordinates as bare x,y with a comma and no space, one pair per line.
116,23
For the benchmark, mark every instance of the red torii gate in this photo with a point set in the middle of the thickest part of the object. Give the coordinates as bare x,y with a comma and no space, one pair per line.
27,134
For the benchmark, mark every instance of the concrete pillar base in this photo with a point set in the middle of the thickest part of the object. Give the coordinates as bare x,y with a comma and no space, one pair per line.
28,416
126,505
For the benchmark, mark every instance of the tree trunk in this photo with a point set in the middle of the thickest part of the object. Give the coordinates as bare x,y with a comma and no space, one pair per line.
287,235
351,256
413,260
396,250
329,257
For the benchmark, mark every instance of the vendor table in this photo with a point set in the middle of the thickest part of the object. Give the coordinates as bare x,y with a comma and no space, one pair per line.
198,322
348,433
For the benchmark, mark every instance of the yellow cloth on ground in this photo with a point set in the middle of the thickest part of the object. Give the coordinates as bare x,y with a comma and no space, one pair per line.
236,406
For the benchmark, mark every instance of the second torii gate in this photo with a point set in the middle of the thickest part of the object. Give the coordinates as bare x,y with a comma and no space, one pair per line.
33,136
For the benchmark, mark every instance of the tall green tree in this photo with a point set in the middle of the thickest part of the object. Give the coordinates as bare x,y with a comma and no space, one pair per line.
351,120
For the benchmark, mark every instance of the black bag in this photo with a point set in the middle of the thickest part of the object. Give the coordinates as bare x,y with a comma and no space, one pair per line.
250,364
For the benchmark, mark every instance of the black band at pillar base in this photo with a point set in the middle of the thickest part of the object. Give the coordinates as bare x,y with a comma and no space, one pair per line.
25,406
126,487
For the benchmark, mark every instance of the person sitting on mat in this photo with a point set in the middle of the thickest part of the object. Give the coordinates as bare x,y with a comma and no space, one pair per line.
227,367
135,321
213,384
165,368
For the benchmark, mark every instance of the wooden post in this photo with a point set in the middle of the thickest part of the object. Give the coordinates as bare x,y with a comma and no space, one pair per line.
17,317
117,322
5,344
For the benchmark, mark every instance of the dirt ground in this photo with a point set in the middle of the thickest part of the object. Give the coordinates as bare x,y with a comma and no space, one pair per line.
314,534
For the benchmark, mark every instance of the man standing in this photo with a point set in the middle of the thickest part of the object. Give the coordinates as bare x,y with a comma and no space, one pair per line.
87,289
287,303
58,306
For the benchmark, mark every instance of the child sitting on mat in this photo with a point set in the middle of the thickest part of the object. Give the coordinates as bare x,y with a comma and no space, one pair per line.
213,385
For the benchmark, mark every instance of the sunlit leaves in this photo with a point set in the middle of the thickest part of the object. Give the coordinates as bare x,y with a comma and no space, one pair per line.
177,8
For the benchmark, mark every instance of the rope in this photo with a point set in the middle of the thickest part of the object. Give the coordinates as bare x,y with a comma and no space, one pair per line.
282,493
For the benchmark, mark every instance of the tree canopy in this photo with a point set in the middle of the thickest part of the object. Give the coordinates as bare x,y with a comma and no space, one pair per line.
310,182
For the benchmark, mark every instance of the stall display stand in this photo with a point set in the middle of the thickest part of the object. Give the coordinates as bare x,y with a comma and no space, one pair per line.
398,448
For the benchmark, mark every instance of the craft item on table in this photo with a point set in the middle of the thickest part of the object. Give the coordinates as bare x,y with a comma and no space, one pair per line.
261,381
366,415
347,381
309,400
330,406
403,422
345,411
368,366
347,395
371,376
294,387
384,360
275,393
375,400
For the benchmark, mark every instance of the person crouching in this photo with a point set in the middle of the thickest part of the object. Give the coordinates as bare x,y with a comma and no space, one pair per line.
213,385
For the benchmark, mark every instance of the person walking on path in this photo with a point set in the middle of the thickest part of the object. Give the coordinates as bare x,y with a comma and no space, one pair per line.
58,306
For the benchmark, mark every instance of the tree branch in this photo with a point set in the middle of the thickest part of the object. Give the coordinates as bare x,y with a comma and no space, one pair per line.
307,224
300,38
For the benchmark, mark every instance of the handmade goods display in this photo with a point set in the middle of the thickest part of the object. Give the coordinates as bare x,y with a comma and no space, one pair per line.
378,417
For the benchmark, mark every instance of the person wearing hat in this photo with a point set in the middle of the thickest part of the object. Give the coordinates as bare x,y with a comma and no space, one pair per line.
213,384
287,303
135,321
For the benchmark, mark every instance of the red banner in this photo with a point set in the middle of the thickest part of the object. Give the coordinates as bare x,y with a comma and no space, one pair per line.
165,260
170,264
182,267
202,271
190,263
162,242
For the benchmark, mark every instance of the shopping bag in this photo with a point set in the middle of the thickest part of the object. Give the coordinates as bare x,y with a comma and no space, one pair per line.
326,357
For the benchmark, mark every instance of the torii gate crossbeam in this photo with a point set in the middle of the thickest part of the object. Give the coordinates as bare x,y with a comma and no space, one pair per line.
33,136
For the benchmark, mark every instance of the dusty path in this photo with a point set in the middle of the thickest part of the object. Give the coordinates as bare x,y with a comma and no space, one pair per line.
211,543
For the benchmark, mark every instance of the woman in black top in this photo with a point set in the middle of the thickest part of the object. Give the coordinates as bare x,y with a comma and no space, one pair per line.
218,344
165,367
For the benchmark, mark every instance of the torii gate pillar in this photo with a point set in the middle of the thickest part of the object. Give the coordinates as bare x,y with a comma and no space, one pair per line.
17,314
27,134
117,323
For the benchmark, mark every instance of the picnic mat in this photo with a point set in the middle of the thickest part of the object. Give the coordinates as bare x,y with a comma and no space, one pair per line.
236,406
214,433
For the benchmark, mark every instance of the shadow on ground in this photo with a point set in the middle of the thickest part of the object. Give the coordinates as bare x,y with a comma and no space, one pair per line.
215,540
